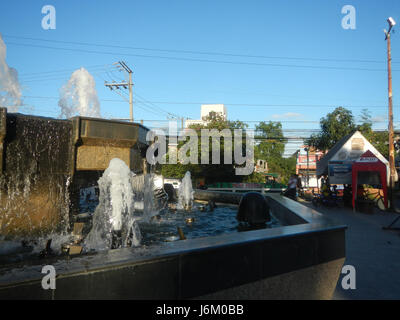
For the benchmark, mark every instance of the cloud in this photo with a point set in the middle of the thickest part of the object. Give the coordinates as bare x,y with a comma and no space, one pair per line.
287,115
379,118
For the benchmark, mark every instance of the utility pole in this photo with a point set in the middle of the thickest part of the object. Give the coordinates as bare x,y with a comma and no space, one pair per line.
122,66
390,128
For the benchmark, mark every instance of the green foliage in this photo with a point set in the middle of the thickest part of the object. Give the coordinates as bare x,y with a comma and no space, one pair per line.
334,127
272,142
284,166
255,177
378,139
270,148
178,170
211,172
339,123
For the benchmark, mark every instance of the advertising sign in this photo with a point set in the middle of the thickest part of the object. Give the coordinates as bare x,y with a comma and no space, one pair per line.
339,172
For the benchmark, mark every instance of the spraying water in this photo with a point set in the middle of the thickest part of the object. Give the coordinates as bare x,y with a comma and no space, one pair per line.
10,89
185,193
114,216
79,96
150,197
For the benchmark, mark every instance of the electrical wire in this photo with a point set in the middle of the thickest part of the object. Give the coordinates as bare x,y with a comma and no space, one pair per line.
201,60
199,52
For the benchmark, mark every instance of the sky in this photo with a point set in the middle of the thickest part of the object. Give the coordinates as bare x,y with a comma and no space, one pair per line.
289,61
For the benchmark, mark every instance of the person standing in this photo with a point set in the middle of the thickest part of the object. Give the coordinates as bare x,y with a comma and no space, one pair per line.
299,186
292,188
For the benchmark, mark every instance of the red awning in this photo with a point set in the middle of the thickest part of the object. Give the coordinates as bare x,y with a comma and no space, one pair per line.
369,162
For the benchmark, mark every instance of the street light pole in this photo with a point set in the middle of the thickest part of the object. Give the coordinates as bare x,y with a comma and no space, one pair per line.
390,128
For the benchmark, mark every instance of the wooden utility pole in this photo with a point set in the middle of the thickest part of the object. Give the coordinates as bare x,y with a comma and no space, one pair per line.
390,128
122,66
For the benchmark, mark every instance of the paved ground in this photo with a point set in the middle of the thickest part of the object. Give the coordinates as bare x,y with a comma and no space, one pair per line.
374,252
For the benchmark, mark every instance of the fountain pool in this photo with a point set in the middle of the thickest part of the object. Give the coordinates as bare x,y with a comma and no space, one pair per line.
198,223
46,162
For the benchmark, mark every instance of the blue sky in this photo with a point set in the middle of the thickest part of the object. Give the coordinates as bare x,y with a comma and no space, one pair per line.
300,78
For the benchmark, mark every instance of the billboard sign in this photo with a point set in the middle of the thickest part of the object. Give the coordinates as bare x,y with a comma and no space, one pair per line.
340,172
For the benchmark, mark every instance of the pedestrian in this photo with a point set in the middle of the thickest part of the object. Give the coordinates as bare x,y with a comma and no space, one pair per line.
299,184
292,188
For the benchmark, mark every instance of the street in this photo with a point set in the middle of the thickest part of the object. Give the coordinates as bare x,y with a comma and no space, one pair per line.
374,252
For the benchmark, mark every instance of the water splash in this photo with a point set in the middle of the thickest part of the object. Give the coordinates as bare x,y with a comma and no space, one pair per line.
79,96
114,219
10,89
150,197
185,193
34,202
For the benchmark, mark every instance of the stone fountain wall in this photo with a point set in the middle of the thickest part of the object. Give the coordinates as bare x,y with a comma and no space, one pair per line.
44,162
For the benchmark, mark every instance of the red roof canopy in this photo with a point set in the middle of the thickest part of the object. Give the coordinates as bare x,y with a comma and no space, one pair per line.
369,162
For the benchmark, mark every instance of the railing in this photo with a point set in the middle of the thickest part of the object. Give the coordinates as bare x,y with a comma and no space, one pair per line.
262,190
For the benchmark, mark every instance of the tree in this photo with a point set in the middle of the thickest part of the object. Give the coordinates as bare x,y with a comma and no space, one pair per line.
340,123
271,148
379,139
334,127
272,143
211,172
284,166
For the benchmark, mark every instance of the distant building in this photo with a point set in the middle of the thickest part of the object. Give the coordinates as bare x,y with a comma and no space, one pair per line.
261,166
307,169
206,109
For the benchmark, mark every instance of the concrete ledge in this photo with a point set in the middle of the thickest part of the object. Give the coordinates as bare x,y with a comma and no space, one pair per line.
313,283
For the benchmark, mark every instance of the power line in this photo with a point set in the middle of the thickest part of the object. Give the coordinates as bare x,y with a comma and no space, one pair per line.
158,108
54,77
52,74
62,70
269,105
201,60
155,111
199,52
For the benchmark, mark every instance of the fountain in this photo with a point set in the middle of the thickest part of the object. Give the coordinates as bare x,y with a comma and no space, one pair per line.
185,193
79,96
9,84
114,223
47,164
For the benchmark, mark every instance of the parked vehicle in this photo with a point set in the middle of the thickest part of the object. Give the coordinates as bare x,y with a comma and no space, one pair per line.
175,182
329,201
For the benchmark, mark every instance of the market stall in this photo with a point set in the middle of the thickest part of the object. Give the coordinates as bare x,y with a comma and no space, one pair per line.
371,168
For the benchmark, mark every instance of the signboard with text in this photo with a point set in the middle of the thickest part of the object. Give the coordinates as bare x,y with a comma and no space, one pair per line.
340,172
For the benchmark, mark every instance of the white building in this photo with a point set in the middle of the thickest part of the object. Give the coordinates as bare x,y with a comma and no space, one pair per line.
206,109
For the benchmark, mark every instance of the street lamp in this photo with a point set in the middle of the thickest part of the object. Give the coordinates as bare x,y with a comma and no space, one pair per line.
392,23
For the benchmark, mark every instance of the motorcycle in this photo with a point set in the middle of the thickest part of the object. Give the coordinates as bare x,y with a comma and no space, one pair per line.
329,201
